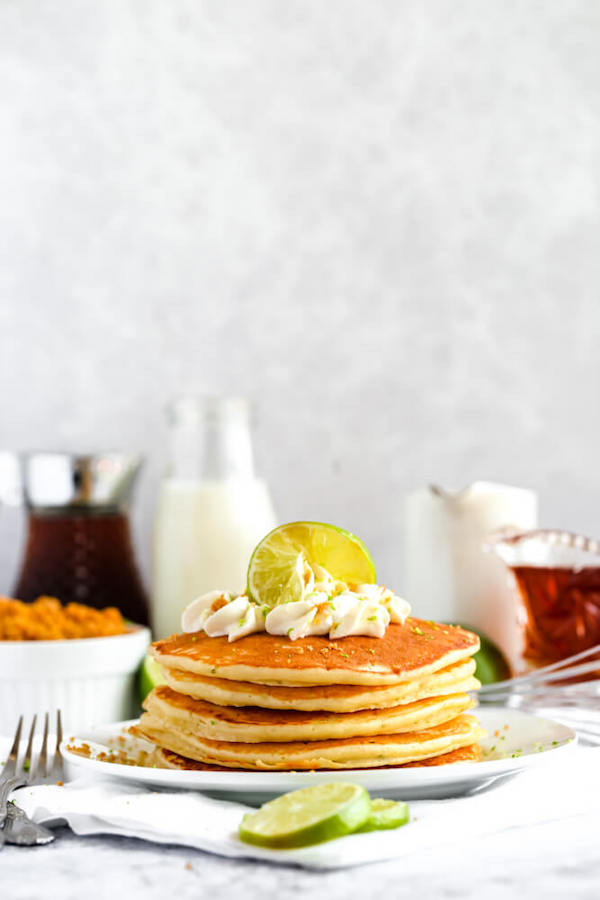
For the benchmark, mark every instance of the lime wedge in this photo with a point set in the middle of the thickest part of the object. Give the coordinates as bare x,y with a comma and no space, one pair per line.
149,676
308,816
275,573
385,814
490,662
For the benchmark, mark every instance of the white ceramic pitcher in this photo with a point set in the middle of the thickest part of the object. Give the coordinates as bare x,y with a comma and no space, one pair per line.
448,574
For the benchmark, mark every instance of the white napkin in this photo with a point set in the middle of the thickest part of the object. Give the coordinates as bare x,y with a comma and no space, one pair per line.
558,790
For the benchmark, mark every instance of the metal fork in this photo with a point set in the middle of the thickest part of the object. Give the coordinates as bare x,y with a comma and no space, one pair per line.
18,828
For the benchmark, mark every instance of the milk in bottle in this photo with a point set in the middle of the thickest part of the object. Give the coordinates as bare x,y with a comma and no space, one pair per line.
212,509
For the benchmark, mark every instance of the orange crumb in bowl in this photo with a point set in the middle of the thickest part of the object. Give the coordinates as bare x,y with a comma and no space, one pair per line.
46,619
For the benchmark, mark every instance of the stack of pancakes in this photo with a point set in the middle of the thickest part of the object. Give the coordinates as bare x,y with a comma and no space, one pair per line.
265,702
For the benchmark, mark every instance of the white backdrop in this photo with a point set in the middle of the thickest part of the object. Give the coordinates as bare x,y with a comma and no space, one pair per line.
379,219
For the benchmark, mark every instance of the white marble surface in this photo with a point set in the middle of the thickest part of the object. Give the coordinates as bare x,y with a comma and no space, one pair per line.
380,219
556,860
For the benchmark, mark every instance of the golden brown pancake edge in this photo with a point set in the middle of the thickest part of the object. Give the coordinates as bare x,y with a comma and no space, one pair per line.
470,753
256,725
374,751
405,652
332,697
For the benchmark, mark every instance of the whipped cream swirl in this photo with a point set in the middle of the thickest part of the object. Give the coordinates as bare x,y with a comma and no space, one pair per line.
327,607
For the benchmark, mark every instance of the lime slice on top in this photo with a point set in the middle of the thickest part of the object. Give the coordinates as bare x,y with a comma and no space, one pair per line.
386,814
275,573
308,816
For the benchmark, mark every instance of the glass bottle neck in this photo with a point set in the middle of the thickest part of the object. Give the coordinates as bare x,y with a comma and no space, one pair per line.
210,439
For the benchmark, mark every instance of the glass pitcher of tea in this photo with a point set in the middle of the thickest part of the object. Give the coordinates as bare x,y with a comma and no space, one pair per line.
78,544
557,575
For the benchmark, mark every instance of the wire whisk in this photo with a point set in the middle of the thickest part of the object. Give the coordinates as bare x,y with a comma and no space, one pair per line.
550,689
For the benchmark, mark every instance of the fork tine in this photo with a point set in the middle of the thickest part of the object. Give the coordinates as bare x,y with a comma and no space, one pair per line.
57,767
11,760
27,760
43,757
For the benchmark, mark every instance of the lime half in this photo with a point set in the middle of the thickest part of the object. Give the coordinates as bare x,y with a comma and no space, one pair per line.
386,814
276,570
150,675
308,816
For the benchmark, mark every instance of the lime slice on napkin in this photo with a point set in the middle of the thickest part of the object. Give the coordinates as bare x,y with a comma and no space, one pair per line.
386,814
308,816
275,573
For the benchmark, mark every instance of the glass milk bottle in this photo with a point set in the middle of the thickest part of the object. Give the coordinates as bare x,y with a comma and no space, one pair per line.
212,509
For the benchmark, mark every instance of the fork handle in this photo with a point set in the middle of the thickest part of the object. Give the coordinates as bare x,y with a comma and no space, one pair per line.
20,829
5,788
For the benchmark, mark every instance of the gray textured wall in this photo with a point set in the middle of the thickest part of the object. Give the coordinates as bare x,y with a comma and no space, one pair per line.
379,219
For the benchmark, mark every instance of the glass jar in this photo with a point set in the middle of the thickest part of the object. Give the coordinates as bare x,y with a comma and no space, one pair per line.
212,509
557,576
78,546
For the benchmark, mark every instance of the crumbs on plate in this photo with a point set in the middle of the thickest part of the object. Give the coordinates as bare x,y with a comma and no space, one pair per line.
109,755
123,749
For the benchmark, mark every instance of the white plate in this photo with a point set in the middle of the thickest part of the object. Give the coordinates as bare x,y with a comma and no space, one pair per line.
516,741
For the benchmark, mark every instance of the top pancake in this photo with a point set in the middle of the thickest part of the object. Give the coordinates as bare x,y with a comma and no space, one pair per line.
406,652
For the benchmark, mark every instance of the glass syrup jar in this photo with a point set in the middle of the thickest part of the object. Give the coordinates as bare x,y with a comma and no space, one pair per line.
557,580
78,545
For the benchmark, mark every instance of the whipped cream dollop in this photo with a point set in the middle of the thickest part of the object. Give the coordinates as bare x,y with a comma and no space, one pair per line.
327,607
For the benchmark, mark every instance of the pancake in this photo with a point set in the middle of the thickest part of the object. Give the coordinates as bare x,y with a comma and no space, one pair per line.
471,753
251,724
341,698
346,753
406,652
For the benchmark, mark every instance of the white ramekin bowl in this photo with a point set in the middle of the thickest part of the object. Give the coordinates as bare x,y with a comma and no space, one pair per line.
91,680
